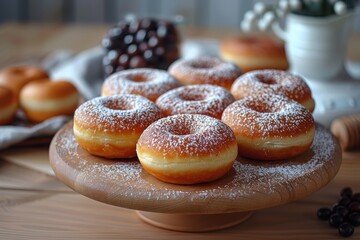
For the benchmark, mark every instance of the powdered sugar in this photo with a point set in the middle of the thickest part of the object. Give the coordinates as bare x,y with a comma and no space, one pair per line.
271,82
116,113
150,83
187,135
205,70
204,99
267,115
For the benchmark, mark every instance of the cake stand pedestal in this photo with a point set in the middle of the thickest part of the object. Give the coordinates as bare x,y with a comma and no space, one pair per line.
250,185
194,222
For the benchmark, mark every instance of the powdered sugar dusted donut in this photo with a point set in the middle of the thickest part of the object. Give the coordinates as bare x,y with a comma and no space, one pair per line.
110,126
273,82
149,83
187,149
205,70
270,127
204,99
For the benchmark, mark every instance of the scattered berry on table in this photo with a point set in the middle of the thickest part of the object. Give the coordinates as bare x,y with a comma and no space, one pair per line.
346,229
324,213
344,214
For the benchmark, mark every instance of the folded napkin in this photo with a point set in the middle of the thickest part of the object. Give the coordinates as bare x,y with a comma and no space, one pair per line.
84,70
11,135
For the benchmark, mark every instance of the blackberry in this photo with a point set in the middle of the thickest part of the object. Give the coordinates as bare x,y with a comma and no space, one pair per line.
346,230
146,42
344,214
324,213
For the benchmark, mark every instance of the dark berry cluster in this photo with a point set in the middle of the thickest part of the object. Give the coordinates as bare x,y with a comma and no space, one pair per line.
139,43
344,214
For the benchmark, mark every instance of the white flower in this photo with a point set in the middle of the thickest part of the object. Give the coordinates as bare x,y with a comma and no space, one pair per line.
340,8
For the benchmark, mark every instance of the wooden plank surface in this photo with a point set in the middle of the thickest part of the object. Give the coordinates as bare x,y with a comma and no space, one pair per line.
59,214
24,43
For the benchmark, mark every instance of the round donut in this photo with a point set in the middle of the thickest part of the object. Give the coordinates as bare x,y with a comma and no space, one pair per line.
110,126
147,82
270,127
43,99
205,70
254,52
273,82
204,99
17,77
8,105
187,149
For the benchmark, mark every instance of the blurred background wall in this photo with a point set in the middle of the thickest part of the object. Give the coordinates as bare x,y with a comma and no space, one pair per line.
204,13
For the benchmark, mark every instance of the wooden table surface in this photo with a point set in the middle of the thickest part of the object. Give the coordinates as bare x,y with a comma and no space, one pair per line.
34,205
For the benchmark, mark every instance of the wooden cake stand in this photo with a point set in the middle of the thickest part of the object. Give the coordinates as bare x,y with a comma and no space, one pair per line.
249,186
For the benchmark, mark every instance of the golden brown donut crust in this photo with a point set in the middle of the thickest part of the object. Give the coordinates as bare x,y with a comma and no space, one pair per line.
17,77
203,99
187,149
110,126
43,99
146,82
205,70
8,105
272,81
252,52
270,127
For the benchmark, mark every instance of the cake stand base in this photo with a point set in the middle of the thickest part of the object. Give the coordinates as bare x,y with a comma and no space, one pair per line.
193,222
250,185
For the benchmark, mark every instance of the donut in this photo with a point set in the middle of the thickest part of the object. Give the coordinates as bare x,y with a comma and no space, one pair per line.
204,99
254,52
187,149
149,83
205,70
270,127
43,99
273,82
17,77
8,105
110,126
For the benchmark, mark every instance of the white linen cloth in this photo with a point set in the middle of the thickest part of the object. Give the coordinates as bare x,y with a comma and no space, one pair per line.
11,135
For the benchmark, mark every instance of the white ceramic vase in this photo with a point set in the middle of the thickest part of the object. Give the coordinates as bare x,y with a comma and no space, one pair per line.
315,46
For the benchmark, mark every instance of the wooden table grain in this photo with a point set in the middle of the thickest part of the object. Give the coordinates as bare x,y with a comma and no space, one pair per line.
34,205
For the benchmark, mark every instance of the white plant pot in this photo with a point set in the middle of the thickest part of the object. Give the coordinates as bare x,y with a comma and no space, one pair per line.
315,46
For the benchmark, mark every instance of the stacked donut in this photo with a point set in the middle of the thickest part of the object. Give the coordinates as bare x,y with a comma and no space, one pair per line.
29,88
187,125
